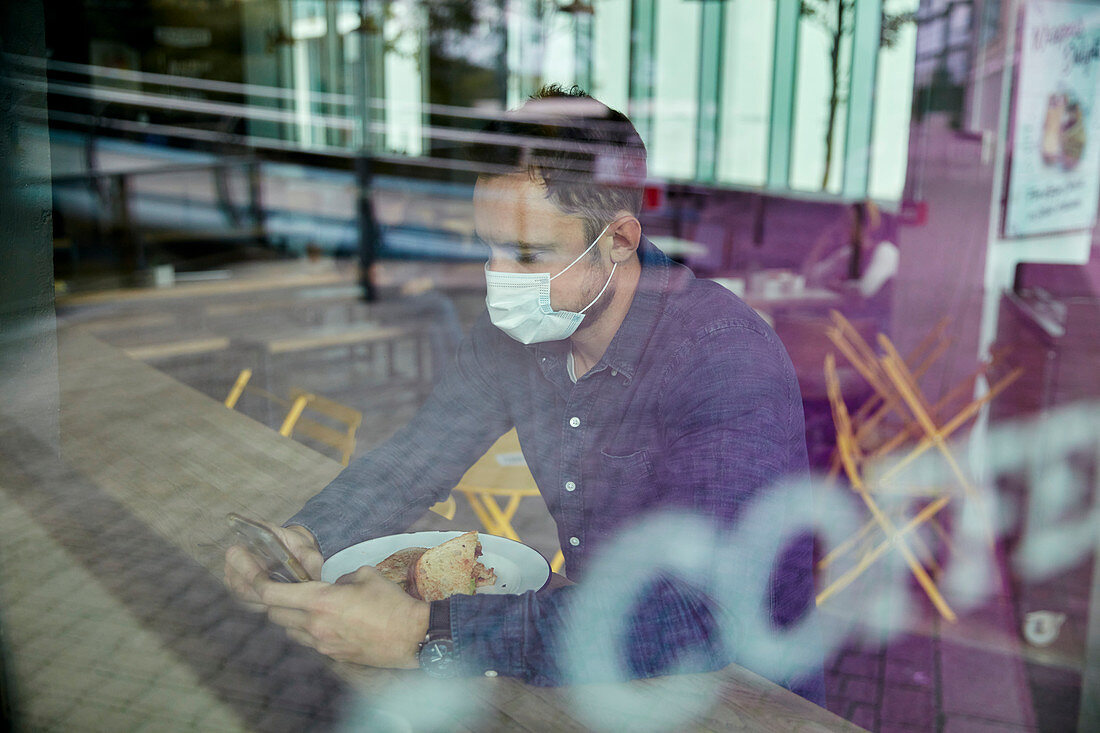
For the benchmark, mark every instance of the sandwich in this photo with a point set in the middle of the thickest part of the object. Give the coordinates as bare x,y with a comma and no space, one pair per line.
436,573
447,569
395,568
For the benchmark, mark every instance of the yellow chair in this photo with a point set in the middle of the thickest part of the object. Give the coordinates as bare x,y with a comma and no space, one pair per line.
298,425
935,431
923,427
886,401
894,536
294,406
869,420
501,474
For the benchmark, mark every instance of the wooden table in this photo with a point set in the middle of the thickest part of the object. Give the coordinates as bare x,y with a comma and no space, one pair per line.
177,461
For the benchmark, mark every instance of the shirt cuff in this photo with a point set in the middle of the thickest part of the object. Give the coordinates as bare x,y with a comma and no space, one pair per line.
304,523
488,634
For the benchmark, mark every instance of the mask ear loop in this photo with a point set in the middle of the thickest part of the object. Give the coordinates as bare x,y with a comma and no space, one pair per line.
613,266
582,254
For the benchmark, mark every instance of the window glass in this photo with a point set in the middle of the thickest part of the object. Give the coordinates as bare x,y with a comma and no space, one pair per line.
929,45
404,82
304,49
524,34
559,60
541,48
893,100
746,92
241,252
814,90
611,53
676,89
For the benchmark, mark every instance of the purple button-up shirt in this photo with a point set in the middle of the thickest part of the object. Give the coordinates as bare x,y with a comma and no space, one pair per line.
694,407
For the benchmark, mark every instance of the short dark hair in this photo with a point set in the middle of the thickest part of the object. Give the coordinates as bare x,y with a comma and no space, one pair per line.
589,156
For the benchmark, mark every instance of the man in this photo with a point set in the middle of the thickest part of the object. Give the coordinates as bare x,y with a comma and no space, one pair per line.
633,387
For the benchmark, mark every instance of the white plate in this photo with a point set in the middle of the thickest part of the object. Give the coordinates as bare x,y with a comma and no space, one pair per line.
519,568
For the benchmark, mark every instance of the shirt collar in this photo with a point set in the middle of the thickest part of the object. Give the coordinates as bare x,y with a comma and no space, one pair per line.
627,346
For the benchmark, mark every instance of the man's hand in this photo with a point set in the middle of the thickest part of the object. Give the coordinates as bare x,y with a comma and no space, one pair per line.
367,621
240,565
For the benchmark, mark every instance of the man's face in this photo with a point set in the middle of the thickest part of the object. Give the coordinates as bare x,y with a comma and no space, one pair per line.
528,234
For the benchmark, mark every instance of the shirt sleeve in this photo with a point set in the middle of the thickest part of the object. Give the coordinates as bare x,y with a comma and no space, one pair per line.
524,636
733,426
390,487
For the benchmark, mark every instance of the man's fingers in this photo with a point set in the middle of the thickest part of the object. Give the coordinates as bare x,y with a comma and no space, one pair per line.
241,569
302,596
289,618
303,546
302,638
241,561
249,580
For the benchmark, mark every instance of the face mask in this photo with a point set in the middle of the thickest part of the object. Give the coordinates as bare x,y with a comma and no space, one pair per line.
519,303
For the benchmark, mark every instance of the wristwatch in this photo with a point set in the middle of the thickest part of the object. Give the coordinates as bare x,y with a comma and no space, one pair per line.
437,652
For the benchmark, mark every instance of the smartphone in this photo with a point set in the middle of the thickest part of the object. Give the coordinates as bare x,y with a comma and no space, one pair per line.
266,546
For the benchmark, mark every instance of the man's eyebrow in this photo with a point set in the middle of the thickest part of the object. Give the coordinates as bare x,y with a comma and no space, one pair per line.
516,245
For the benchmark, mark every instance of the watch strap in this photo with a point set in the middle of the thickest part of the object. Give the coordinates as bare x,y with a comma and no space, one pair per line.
439,620
436,653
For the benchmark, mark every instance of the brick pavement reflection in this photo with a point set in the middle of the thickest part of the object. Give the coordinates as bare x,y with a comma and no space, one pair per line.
167,639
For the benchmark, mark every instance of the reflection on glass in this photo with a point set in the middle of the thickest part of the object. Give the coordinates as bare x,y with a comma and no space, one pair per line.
675,99
542,48
821,89
611,53
893,99
746,92
404,81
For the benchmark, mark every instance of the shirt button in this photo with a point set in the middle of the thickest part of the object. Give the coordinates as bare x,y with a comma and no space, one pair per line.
574,541
569,486
614,373
490,673
574,422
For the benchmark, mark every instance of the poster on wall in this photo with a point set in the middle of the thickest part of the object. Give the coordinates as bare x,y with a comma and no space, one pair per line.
1054,180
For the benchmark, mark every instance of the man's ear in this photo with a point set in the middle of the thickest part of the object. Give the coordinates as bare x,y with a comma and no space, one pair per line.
626,235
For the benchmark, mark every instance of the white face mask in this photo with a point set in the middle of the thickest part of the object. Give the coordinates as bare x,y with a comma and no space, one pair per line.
519,303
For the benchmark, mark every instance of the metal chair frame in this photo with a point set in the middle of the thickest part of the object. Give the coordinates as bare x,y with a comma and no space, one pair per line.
923,427
490,480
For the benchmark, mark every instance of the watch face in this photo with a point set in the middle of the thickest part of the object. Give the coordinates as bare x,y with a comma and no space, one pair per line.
437,658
